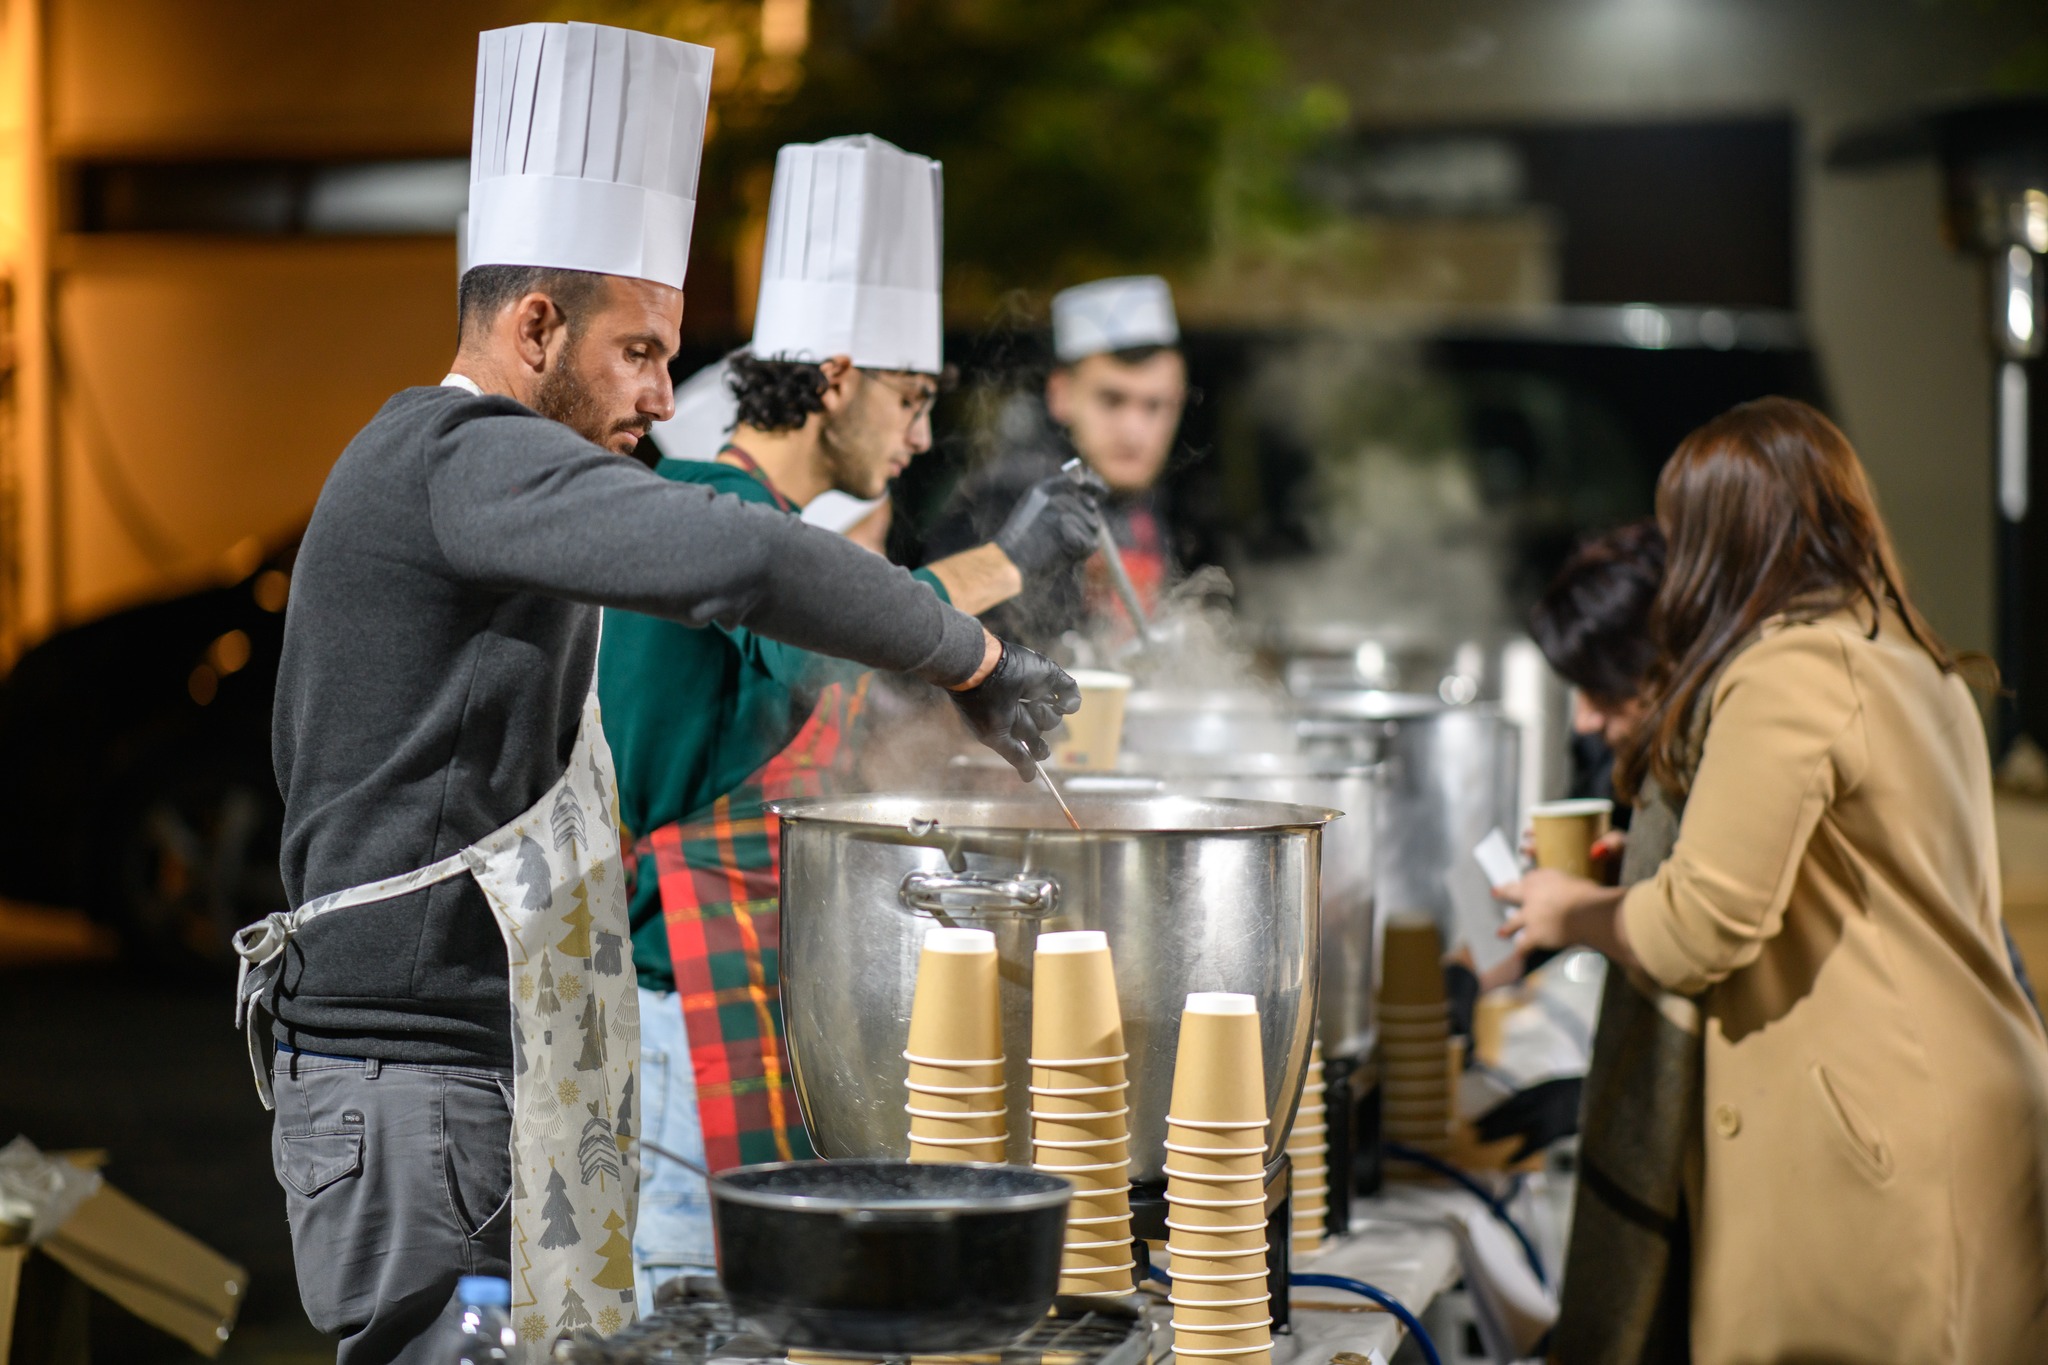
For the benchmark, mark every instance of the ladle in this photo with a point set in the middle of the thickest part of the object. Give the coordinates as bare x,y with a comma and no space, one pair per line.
1119,576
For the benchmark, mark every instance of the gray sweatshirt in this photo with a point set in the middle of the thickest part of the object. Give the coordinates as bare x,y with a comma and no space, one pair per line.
438,647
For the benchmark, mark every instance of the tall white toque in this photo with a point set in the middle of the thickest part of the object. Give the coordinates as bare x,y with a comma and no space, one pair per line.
585,149
851,265
1113,315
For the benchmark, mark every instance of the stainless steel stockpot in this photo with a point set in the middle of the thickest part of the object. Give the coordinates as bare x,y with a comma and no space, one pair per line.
1450,776
1353,789
1195,894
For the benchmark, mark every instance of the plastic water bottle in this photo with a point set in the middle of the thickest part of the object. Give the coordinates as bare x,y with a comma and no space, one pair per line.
483,1335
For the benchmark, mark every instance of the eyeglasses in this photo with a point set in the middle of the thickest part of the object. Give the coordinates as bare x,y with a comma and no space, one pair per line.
918,399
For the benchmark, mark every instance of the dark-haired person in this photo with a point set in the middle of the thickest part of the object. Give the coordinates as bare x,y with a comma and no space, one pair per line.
709,723
446,1019
1626,1280
1872,1145
1592,624
1116,393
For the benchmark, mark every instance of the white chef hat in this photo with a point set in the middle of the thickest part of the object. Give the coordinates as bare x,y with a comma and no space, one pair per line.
585,149
1113,315
851,265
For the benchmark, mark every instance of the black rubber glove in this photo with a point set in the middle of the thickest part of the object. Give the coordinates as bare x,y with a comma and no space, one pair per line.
1053,525
1023,696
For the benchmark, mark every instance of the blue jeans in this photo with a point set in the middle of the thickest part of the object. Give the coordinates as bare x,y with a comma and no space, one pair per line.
673,1236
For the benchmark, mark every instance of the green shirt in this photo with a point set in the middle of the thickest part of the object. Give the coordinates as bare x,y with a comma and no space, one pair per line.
690,713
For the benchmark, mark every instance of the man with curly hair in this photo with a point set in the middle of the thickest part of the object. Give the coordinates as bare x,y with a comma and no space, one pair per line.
710,723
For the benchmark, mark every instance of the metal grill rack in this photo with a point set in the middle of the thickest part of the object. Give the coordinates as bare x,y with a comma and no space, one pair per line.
692,1325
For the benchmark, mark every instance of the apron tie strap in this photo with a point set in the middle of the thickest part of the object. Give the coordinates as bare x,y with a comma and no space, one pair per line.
260,947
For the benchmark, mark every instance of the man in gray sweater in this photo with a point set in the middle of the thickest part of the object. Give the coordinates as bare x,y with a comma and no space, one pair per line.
439,653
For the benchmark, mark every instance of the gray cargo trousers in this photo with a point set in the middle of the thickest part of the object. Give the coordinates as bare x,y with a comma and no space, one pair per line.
398,1181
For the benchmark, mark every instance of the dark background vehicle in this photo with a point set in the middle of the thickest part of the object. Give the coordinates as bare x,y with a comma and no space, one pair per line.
137,749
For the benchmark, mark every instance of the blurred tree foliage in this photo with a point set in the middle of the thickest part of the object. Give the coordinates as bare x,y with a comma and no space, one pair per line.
1080,137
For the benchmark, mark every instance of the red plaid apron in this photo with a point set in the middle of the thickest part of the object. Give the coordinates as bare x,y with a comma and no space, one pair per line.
719,873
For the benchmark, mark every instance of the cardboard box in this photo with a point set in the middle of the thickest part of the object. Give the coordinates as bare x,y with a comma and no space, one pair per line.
166,1277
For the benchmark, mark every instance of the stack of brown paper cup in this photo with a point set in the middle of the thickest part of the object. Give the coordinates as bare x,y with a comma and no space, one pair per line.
1308,1153
1215,1185
1080,1114
1080,1109
956,1087
1415,1079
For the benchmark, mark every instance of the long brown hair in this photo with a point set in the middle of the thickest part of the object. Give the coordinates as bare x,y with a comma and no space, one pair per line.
1767,511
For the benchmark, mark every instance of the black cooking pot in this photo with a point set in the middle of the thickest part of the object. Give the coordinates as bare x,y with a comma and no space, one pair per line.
886,1255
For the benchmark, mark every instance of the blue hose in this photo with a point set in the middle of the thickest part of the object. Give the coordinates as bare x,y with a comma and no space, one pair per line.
1345,1282
1380,1297
1494,1205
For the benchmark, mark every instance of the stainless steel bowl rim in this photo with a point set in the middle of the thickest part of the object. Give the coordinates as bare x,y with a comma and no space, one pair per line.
1054,1191
1276,815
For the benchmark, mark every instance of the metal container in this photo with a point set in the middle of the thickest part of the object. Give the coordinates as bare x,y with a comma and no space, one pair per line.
1207,721
1195,895
1450,775
1349,934
887,1256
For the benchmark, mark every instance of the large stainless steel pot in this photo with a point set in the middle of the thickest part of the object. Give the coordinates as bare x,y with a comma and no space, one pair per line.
1450,776
1207,721
1195,895
1349,934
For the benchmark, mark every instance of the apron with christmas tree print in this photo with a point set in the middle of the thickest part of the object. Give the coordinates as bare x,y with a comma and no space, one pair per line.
557,888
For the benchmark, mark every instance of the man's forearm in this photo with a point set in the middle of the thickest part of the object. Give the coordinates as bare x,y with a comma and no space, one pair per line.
978,579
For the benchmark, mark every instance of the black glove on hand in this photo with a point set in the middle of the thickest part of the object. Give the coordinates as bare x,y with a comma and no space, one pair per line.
1023,696
1054,524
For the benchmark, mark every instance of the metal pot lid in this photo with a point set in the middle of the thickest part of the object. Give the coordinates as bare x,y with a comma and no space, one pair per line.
1244,701
1032,811
887,1187
1369,704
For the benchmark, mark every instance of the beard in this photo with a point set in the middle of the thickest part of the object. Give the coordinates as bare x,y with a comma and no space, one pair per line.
564,397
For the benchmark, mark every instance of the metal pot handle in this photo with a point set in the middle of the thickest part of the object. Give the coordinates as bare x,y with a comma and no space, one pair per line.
977,895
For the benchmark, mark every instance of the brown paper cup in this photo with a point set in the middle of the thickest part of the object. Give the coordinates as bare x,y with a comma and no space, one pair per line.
1235,1145
1218,1072
1219,1292
1090,1205
1412,971
954,1012
1093,736
1074,1015
1219,1313
1083,1084
1227,1214
1200,1163
1085,1260
1239,1275
1191,1340
1566,832
1242,1187
1054,1158
1093,1186
970,1082
992,1152
1198,1239
1076,1128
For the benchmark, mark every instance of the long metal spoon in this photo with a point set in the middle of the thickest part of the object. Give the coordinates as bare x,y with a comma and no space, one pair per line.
1119,576
1054,788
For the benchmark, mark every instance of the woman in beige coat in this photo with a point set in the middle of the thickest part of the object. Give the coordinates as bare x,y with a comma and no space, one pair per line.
1873,1160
